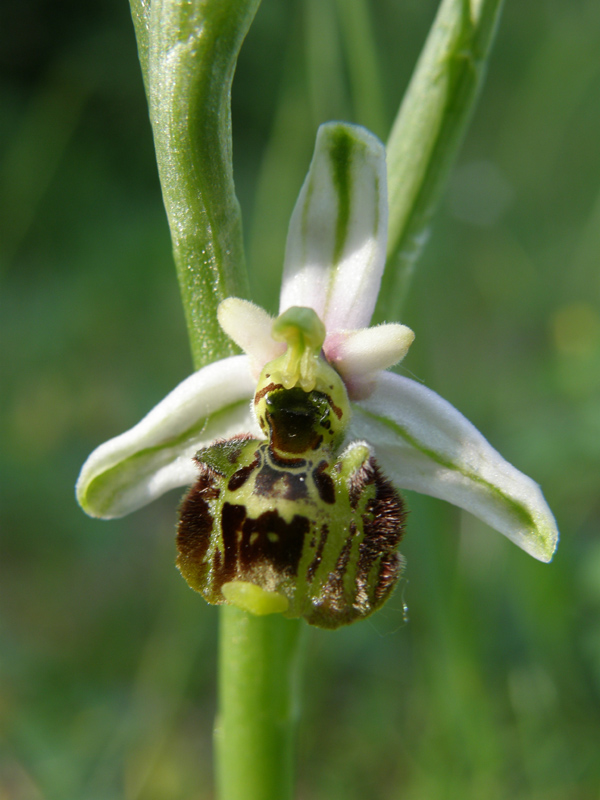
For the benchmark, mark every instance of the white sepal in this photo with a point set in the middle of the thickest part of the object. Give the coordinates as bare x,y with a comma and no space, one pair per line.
138,466
335,250
424,444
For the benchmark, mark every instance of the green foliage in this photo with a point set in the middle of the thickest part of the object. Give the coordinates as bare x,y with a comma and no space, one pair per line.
491,690
428,129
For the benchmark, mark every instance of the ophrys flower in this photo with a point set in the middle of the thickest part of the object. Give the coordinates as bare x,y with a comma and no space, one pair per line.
334,261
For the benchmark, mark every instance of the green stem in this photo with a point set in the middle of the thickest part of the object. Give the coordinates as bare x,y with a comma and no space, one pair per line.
259,666
188,52
428,131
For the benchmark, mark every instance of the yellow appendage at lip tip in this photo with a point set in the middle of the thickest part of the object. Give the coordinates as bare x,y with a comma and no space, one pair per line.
250,597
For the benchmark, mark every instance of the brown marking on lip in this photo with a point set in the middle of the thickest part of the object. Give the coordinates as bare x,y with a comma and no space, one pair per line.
239,478
324,483
279,483
337,410
269,538
195,527
312,567
232,519
265,390
383,523
390,568
336,579
282,461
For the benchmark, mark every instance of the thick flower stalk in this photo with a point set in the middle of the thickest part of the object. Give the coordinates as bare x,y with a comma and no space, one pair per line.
319,347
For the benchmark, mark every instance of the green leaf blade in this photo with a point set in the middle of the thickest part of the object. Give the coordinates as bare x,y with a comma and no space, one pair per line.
428,131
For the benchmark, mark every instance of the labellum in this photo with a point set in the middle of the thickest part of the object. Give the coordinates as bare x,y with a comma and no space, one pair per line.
289,523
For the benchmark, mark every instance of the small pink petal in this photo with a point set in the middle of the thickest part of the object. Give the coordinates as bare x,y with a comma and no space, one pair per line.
359,355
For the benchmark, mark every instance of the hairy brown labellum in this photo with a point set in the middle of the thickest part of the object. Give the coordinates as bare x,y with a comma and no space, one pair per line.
285,523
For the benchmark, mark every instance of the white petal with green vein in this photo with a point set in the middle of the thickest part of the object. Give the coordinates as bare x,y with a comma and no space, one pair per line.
336,244
423,443
138,466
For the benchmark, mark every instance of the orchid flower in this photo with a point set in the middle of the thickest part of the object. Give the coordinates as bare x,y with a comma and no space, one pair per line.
334,260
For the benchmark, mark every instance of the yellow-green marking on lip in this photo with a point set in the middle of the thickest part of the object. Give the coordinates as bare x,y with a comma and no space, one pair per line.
250,597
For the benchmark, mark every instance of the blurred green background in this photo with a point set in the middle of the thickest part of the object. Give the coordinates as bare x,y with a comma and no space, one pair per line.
491,689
